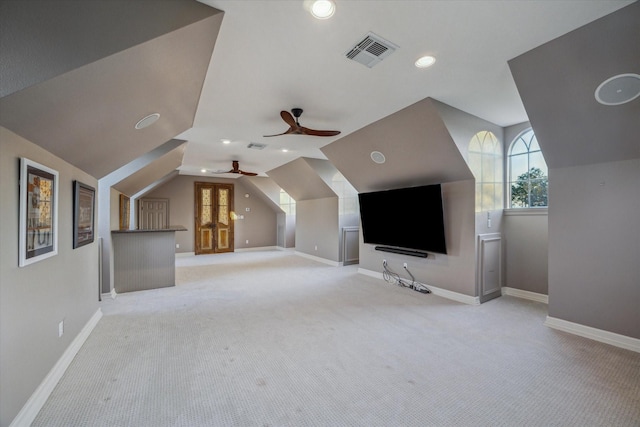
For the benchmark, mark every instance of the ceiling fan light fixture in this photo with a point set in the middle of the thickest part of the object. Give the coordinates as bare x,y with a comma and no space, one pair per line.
425,61
323,9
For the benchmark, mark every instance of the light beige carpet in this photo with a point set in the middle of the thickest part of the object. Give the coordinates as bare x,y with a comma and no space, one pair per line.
273,339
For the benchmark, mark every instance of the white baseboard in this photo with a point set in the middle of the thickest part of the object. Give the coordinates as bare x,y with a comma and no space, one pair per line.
256,249
444,293
519,293
455,296
317,258
39,397
606,337
185,254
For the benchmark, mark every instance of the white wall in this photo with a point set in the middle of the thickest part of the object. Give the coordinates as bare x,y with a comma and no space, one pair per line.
35,298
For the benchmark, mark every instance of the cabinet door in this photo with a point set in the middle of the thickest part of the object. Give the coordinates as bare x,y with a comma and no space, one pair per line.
489,266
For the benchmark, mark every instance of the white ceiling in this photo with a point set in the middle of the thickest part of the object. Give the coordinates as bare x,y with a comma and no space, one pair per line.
273,55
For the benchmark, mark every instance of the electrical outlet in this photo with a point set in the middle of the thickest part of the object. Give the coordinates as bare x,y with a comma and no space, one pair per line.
60,328
177,245
246,242
404,265
316,247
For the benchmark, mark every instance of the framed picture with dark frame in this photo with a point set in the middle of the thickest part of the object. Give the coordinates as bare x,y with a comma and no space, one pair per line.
38,224
84,197
124,212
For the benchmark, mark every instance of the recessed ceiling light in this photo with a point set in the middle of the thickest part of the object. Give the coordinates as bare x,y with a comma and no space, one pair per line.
147,121
203,170
378,157
284,150
618,89
323,9
425,61
226,141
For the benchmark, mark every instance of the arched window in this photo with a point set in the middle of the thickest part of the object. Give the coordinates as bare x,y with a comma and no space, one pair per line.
485,161
347,195
528,182
287,204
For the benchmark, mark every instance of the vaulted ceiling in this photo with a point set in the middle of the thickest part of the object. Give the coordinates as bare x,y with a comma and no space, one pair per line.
558,80
77,76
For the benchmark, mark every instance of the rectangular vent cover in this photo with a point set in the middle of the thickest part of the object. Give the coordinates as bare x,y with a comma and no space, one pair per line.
371,50
256,146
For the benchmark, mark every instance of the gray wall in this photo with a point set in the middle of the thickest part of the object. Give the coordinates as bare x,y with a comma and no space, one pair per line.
594,246
317,226
454,271
259,225
526,251
35,298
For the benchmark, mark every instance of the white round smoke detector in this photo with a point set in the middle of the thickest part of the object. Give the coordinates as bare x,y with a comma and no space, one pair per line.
147,121
618,89
378,157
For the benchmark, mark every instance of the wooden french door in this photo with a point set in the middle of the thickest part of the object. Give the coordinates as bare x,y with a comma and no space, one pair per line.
213,223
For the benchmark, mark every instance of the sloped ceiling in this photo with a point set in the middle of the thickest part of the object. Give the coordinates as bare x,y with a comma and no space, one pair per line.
151,173
303,178
416,144
87,114
264,188
557,82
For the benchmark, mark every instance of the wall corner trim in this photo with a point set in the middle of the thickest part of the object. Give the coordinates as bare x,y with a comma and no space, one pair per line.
600,335
455,296
519,293
39,397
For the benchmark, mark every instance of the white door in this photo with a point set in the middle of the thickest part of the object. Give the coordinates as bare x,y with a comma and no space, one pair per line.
153,214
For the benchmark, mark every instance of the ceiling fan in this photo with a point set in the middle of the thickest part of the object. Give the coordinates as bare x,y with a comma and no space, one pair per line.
236,169
296,129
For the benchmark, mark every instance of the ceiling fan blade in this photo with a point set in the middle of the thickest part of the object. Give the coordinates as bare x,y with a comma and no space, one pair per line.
313,132
248,173
290,130
288,118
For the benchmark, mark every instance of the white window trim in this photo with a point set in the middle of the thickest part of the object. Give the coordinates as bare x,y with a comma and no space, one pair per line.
526,211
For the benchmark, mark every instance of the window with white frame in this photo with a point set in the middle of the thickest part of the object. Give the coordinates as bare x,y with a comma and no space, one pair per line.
485,161
527,180
287,204
347,195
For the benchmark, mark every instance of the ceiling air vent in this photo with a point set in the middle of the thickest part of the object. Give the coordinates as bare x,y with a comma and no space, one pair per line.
256,146
371,50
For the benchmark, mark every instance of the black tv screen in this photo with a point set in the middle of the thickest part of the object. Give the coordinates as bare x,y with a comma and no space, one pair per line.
410,218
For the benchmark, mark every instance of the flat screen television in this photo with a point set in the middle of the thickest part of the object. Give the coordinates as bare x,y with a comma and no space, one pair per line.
408,218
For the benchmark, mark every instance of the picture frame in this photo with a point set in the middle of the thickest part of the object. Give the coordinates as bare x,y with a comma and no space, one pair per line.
38,224
125,203
84,199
